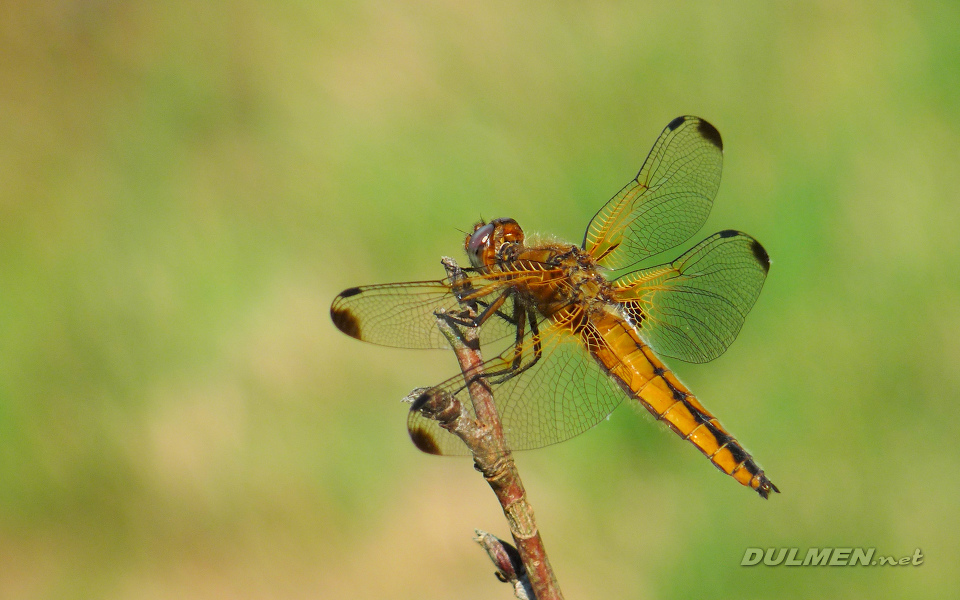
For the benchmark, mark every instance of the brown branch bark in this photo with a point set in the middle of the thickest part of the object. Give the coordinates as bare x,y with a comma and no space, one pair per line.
484,437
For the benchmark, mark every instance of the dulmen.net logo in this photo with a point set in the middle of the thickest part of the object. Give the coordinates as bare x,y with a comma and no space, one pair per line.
826,557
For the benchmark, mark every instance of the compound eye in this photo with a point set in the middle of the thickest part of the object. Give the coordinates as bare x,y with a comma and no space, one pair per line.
478,242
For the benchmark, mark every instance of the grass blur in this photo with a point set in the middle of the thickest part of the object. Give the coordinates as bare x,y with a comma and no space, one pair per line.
184,188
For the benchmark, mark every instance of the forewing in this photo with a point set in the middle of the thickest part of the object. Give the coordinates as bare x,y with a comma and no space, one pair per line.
563,393
668,201
693,307
403,315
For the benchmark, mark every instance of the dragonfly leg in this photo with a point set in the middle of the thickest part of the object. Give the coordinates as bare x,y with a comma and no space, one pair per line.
489,310
516,365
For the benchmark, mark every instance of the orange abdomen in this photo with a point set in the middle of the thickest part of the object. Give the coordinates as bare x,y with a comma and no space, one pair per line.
641,374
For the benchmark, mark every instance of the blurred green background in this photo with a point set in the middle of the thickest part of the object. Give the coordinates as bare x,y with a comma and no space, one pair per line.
184,188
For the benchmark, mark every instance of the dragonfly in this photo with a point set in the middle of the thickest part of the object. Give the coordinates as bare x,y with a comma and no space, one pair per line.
571,341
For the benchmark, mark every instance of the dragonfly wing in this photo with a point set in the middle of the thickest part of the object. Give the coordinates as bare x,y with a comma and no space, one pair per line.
403,315
666,203
693,307
561,393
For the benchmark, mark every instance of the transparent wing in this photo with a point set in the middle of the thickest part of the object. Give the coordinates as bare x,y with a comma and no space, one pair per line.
668,201
403,315
693,307
558,393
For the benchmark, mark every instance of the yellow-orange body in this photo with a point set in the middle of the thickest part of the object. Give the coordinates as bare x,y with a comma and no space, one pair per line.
566,285
578,340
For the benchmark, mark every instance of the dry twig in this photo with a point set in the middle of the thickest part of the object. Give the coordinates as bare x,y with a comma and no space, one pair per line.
484,437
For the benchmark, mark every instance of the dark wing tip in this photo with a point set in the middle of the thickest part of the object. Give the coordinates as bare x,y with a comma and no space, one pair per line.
345,320
710,133
675,123
760,253
424,441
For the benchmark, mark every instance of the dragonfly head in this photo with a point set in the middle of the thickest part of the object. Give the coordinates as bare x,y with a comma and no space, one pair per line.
493,241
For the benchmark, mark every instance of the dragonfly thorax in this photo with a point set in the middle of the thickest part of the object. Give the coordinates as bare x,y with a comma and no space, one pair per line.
558,275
